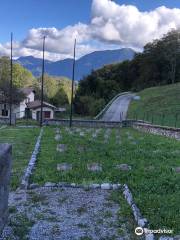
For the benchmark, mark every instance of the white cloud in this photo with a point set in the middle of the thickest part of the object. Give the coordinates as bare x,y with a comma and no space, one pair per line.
125,24
111,26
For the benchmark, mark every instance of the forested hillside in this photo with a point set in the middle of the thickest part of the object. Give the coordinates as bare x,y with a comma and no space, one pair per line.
57,90
157,65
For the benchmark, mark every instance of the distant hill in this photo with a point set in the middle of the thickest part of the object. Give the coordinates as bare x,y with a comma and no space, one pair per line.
84,65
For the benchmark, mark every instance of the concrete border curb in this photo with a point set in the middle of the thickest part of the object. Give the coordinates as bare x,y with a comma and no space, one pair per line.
103,186
31,164
141,221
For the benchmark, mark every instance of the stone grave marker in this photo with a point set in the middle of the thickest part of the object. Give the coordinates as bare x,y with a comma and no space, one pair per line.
149,168
64,167
94,167
118,139
177,169
81,134
58,137
61,148
94,135
57,130
130,137
123,167
81,148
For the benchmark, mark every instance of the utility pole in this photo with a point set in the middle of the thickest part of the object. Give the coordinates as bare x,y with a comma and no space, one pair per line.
11,83
72,87
42,84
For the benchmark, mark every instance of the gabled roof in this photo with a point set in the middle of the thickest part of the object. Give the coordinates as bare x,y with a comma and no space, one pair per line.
26,91
37,104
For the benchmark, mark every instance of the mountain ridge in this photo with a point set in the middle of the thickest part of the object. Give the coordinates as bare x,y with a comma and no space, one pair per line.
84,65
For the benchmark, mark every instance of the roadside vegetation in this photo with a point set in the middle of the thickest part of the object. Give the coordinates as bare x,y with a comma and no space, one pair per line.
159,105
23,141
152,178
157,65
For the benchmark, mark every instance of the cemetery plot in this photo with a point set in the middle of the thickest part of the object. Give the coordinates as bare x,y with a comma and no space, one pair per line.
23,142
148,164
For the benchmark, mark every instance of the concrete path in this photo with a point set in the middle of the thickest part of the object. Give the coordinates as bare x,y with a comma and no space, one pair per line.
118,109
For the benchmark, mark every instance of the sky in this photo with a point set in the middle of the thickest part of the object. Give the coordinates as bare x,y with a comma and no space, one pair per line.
96,24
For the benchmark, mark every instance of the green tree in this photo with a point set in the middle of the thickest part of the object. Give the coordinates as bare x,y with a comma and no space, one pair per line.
22,77
17,96
55,90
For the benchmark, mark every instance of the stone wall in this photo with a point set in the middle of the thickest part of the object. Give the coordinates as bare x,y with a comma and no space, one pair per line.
158,130
5,171
5,120
82,123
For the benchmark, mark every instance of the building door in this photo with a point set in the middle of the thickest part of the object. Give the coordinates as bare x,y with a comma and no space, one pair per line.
38,115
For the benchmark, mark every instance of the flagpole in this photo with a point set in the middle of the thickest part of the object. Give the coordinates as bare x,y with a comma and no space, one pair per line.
11,81
42,84
72,87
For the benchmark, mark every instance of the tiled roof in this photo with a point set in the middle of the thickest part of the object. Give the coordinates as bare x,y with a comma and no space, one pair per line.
37,104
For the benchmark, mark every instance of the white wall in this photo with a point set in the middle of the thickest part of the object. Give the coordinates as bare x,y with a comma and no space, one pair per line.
19,109
29,98
15,110
34,112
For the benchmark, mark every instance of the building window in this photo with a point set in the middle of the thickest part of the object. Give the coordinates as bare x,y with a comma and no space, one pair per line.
47,114
27,100
4,112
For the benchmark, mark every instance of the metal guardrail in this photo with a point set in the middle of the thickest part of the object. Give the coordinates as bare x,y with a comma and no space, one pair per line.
109,103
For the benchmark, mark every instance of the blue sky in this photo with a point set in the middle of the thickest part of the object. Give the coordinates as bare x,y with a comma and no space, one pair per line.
20,16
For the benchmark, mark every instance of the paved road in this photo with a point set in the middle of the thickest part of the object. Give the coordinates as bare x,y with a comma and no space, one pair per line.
118,109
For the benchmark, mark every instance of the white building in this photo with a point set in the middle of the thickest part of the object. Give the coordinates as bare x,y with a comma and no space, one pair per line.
35,109
28,104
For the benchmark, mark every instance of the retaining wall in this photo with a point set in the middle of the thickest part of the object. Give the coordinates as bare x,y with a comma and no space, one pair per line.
6,120
5,171
158,130
82,123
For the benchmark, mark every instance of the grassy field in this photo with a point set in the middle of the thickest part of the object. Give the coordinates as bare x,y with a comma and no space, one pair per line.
23,141
155,185
159,105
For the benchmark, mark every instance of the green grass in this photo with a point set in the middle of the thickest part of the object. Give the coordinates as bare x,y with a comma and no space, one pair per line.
154,184
23,142
125,215
159,105
21,225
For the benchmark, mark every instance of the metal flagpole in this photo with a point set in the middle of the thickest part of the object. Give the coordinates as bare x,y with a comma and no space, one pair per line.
42,84
11,81
72,88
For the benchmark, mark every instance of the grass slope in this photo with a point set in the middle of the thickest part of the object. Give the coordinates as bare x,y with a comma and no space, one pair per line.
154,184
159,105
23,142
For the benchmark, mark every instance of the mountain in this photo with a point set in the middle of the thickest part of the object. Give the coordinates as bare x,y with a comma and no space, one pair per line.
84,65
